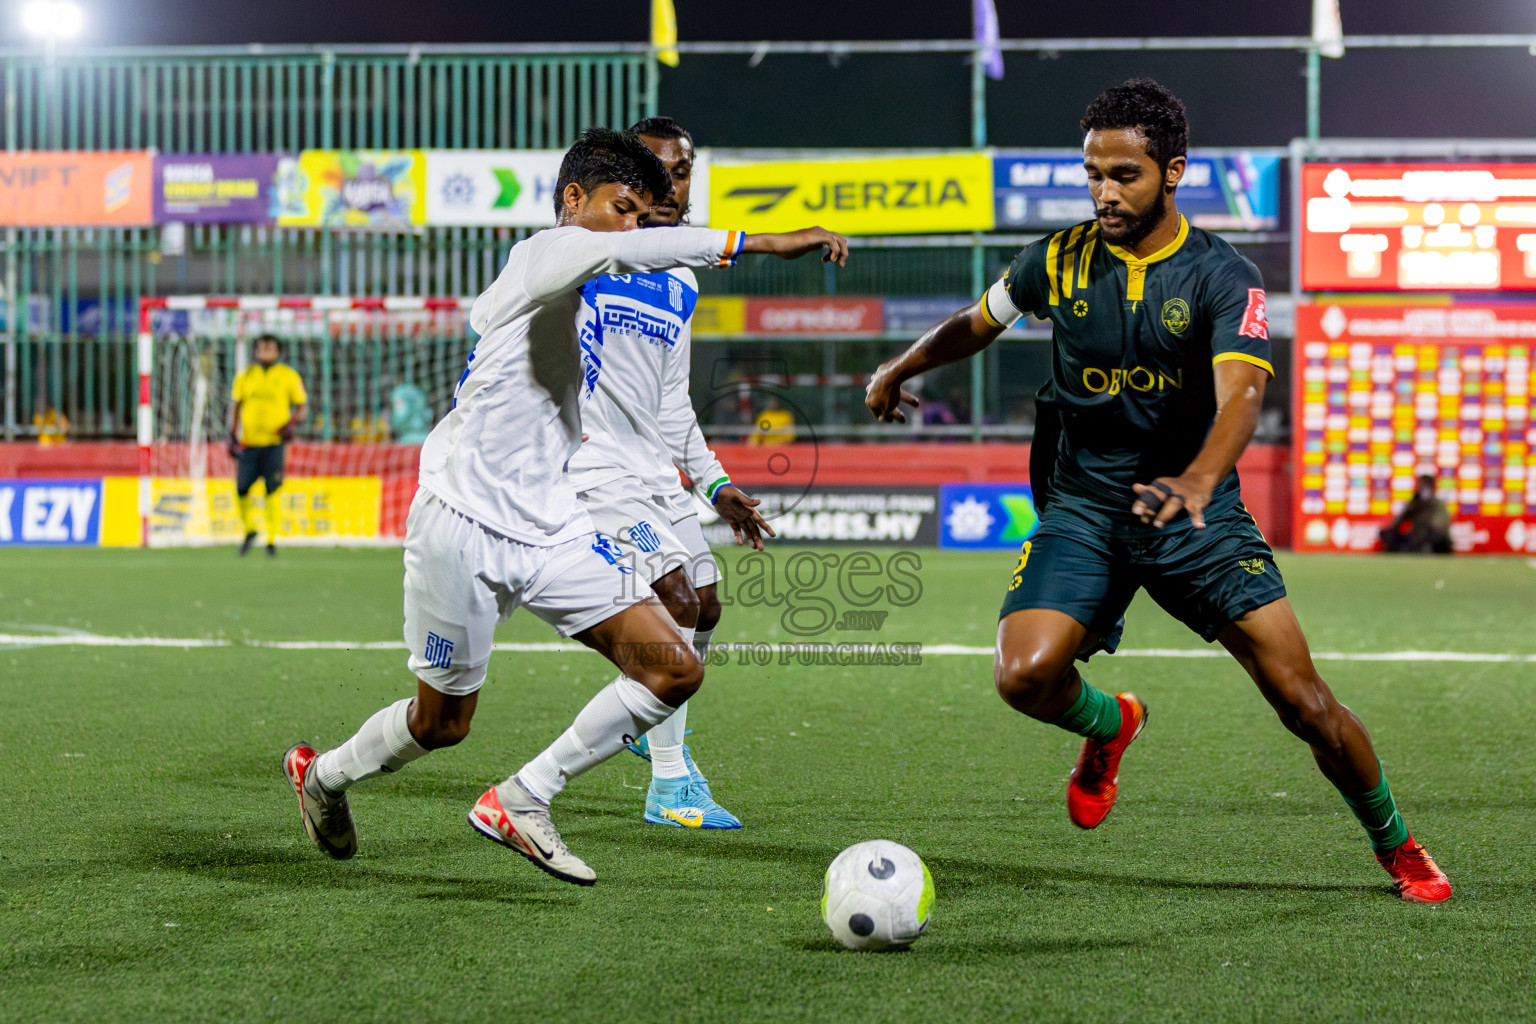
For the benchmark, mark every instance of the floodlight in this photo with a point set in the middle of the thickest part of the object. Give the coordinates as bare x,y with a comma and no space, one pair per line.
52,19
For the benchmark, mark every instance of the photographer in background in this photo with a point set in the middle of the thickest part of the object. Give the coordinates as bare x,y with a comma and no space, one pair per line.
1424,524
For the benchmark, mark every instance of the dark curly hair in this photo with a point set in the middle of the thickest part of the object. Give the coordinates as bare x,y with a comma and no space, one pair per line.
661,128
1142,104
601,156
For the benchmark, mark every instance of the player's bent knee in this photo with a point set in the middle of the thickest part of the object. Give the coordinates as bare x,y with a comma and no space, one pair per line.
678,597
709,607
435,730
673,682
1315,718
1023,682
439,734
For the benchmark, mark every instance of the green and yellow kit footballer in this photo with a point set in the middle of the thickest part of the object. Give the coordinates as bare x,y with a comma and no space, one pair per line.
1136,341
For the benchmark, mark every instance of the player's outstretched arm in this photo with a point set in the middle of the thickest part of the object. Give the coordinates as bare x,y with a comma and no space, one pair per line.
1239,397
792,245
959,336
567,258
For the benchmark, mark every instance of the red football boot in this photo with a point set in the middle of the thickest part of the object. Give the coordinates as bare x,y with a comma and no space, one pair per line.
1095,781
1415,875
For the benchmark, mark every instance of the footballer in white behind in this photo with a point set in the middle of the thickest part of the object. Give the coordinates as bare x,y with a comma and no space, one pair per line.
877,895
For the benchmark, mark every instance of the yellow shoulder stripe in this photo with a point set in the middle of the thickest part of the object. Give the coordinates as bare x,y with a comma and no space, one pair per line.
1052,264
1227,357
1082,267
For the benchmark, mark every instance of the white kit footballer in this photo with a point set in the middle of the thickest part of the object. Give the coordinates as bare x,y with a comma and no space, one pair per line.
498,458
640,424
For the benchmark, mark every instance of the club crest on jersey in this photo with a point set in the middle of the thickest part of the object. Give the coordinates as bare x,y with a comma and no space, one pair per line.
644,536
1176,316
1253,565
1255,321
438,652
1079,308
611,552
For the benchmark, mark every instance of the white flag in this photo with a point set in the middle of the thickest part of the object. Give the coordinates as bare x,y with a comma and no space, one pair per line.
1327,28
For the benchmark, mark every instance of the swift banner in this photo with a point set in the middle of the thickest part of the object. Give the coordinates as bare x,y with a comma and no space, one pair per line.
869,196
217,188
1050,190
510,188
349,188
46,189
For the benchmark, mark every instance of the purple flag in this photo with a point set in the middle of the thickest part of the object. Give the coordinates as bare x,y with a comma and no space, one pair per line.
984,22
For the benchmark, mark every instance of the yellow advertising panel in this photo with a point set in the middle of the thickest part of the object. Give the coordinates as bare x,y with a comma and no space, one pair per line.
869,196
353,188
719,314
318,508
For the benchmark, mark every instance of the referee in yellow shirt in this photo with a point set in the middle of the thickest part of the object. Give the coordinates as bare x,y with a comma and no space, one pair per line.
269,399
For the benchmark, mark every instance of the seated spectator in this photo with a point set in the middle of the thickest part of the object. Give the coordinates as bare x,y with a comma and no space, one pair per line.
1424,524
775,425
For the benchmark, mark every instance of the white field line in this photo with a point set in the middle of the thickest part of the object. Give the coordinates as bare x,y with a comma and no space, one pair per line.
938,650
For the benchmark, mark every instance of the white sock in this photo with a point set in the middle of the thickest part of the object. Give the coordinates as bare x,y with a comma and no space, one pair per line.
701,639
622,711
666,738
383,744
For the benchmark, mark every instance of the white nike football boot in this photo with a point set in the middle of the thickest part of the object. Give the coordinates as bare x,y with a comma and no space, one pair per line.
522,824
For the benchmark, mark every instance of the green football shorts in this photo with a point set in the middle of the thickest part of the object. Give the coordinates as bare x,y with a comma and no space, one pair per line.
1089,567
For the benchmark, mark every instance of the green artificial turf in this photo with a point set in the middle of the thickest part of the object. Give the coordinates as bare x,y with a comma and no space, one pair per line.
152,865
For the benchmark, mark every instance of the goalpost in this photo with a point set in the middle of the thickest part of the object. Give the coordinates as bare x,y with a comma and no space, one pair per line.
379,372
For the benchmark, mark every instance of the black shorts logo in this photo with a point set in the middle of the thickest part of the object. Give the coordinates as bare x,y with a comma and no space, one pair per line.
1253,565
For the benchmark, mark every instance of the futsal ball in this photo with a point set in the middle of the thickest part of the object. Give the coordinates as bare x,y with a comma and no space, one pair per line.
877,895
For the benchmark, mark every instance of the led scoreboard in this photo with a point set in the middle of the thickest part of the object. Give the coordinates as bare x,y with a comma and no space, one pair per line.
1439,227
1384,393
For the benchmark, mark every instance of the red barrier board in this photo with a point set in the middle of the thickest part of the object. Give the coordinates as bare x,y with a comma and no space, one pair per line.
1434,226
1385,393
829,315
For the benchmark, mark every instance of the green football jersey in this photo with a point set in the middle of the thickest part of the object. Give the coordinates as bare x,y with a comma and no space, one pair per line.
1134,345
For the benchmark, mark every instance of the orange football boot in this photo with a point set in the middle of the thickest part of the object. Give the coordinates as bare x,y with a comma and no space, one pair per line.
1095,782
1415,875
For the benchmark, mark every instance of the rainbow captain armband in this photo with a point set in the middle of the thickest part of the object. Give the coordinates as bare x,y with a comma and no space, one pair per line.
714,488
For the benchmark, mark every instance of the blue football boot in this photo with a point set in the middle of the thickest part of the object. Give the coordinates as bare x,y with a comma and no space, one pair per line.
642,748
681,804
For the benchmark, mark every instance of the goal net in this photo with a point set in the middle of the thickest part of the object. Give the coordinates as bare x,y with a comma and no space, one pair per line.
379,373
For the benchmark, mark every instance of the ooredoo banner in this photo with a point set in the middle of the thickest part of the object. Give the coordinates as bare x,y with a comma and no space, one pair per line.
47,189
827,315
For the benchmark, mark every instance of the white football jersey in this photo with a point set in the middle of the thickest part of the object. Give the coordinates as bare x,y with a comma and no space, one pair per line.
637,415
499,456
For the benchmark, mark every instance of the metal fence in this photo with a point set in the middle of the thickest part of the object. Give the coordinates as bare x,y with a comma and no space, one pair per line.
73,342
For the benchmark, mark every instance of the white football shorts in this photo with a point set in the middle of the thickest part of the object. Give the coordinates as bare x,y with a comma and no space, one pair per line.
657,532
462,579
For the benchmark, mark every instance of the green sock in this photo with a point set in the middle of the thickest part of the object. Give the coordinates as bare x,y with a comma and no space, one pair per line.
1094,714
1377,811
